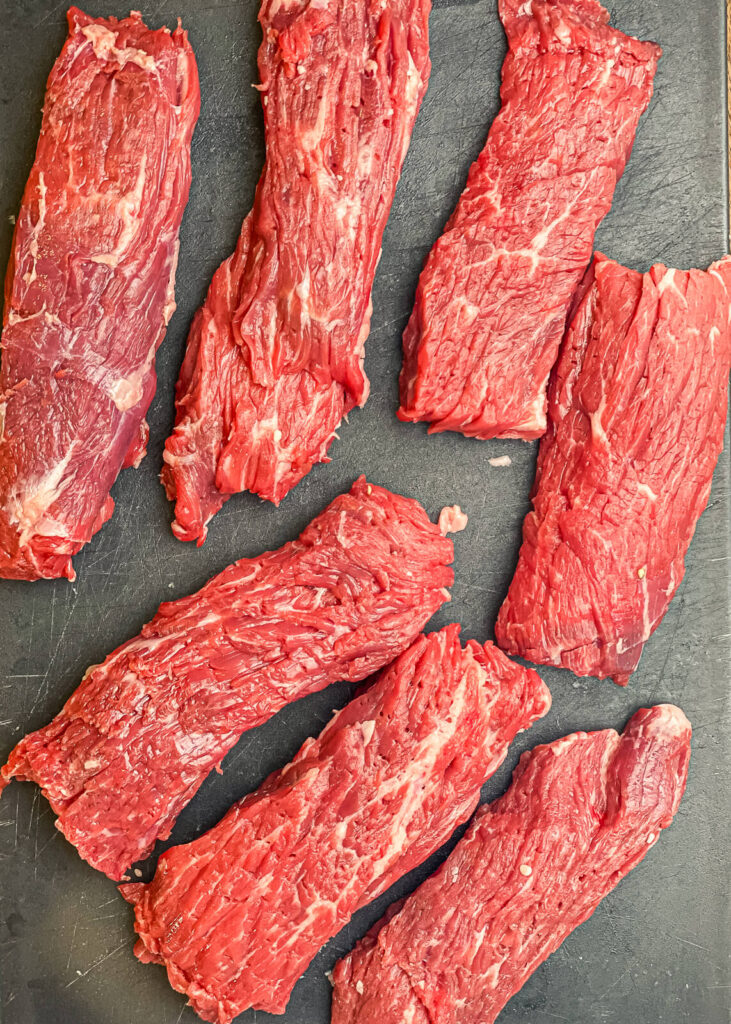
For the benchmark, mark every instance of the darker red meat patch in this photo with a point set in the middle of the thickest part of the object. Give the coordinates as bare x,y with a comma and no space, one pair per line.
90,284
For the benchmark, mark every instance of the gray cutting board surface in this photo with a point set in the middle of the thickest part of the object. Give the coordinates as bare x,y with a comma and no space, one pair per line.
657,948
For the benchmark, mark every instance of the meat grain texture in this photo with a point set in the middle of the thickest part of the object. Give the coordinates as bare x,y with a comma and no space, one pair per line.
136,739
636,419
237,915
90,284
275,356
492,299
533,865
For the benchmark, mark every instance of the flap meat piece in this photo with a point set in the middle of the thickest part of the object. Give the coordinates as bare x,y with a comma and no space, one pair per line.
90,286
237,915
533,865
142,731
275,355
492,299
636,415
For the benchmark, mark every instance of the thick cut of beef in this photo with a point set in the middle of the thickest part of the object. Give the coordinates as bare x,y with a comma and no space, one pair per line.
238,914
90,285
636,418
142,731
275,356
493,296
535,864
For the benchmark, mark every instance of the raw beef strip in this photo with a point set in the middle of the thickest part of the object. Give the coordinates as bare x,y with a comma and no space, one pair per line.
492,300
90,285
142,731
275,356
237,915
636,417
580,814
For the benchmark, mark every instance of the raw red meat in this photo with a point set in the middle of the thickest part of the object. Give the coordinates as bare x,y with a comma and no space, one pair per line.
275,356
493,296
90,285
142,731
580,814
237,915
636,418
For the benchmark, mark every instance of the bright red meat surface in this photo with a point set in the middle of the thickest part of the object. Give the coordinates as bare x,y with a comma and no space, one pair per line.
636,419
237,915
275,356
90,285
142,731
533,865
492,299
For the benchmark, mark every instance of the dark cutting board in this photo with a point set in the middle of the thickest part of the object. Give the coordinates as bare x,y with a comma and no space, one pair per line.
657,948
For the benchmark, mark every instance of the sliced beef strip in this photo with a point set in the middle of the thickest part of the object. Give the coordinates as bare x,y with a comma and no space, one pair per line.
275,355
637,410
492,299
90,284
533,865
142,731
237,915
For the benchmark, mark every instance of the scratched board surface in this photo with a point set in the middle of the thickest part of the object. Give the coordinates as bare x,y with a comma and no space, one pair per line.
656,950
